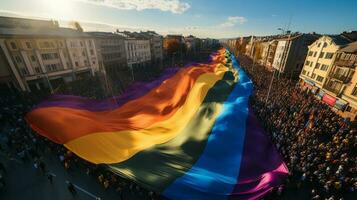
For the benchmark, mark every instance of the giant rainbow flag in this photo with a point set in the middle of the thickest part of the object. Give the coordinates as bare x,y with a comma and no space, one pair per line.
190,134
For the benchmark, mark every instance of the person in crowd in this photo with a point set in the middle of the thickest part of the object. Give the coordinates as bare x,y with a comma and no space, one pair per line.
50,177
71,189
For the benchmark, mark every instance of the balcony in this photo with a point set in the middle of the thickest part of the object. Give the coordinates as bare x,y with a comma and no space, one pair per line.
336,89
346,63
341,77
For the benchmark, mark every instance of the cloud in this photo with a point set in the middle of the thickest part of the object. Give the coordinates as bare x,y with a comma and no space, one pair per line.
174,6
233,20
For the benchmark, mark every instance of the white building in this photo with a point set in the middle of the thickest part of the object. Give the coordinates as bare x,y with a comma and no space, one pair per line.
137,52
42,55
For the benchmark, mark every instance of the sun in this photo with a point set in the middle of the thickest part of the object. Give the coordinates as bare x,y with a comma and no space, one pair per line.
59,9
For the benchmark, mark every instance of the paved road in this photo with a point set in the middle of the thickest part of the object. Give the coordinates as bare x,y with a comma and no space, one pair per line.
23,181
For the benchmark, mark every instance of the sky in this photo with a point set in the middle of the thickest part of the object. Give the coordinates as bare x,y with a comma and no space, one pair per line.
202,18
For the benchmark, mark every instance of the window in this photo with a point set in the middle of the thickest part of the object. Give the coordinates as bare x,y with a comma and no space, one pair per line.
46,44
13,45
354,91
310,64
33,58
318,45
24,71
45,56
318,65
313,75
320,78
303,72
329,55
28,45
52,67
37,70
324,67
91,52
76,63
315,54
18,59
325,44
93,62
307,63
348,109
321,55
49,56
83,54
81,43
310,53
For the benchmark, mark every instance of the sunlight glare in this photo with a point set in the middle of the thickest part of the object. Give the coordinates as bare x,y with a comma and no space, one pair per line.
59,9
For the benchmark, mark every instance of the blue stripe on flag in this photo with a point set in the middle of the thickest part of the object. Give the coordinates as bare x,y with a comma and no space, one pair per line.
215,173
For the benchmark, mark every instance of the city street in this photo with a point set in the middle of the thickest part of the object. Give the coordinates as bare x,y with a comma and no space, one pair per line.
23,181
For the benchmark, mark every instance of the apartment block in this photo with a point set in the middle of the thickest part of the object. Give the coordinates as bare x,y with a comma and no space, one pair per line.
341,83
291,52
43,55
267,51
111,53
320,58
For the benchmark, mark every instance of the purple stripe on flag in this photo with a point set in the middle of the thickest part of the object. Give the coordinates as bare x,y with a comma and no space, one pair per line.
262,167
136,90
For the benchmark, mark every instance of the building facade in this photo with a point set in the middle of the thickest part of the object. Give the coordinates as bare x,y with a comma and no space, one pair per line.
291,52
193,44
7,79
341,82
111,53
138,52
320,58
156,46
45,57
268,53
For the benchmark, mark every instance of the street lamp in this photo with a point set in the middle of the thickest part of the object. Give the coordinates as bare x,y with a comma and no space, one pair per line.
270,85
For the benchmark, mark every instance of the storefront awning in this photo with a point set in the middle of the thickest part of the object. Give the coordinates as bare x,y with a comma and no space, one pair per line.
321,94
309,82
340,104
330,100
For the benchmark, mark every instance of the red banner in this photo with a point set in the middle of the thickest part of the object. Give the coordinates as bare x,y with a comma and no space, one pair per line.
330,100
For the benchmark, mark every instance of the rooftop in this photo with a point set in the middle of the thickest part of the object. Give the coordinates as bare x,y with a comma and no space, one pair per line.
45,32
339,39
350,48
105,34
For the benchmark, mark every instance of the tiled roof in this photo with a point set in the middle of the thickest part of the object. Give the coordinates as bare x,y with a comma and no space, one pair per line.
350,48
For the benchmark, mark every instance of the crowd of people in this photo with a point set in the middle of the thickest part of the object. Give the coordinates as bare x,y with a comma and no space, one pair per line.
318,146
